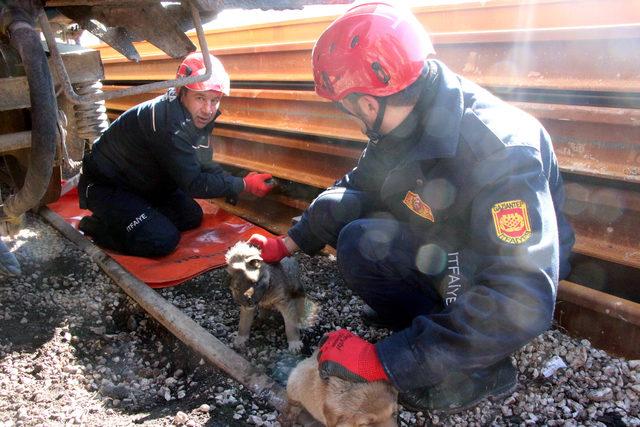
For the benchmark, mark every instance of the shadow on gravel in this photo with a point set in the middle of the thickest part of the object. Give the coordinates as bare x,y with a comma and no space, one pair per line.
32,320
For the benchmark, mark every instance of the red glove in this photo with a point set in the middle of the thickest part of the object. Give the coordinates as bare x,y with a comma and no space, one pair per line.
254,183
273,249
345,355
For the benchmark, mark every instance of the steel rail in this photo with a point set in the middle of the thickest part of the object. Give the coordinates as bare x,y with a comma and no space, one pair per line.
442,18
176,322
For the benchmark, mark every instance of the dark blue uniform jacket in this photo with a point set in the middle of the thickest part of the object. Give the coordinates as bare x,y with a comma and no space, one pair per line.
479,180
154,148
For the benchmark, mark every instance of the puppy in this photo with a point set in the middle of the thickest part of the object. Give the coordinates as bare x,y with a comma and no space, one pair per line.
255,283
336,402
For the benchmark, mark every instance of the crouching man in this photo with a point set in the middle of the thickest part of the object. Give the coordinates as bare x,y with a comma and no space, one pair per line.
140,179
450,226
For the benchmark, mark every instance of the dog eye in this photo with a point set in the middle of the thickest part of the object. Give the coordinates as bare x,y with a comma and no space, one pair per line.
254,263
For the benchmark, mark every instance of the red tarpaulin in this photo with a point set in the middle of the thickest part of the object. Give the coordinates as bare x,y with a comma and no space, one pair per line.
199,250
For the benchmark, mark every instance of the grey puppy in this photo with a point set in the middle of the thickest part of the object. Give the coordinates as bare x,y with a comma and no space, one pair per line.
255,283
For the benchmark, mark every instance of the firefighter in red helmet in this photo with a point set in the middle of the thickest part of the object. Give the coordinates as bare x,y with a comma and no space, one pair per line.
142,174
449,228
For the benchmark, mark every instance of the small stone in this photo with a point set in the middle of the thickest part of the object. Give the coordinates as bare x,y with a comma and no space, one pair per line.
254,419
181,418
600,395
70,369
552,366
22,413
204,408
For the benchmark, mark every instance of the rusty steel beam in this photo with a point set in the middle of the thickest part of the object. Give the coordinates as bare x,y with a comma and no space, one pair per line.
608,322
593,141
284,157
497,15
605,219
540,59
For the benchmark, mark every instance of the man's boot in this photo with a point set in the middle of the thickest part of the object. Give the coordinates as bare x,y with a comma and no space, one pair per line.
461,391
9,265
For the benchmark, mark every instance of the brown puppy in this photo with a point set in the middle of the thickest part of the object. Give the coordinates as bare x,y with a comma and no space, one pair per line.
254,283
340,403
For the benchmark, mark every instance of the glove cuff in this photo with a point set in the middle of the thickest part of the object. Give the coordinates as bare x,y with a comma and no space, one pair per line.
283,248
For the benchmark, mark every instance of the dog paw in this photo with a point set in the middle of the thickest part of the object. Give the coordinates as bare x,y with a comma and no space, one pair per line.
240,343
295,346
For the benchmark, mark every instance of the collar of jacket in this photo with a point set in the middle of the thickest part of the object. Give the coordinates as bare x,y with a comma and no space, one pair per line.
442,118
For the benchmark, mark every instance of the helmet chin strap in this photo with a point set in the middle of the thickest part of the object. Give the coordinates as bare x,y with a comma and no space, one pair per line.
373,133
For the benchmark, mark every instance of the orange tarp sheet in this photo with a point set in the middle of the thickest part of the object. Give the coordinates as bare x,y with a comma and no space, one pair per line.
199,250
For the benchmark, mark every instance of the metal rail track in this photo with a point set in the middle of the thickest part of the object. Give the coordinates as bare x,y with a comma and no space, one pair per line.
574,66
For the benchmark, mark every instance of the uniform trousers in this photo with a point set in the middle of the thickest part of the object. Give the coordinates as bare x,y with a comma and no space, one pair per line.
376,254
135,225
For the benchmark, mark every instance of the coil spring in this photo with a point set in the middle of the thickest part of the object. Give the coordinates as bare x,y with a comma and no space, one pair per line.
91,119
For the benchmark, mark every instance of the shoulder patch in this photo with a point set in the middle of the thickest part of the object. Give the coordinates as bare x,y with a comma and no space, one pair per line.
511,220
417,206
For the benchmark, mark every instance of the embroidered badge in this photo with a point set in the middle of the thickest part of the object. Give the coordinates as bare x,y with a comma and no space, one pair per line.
512,221
415,203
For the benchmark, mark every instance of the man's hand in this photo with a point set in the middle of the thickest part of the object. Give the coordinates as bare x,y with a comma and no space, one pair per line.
345,355
255,184
273,249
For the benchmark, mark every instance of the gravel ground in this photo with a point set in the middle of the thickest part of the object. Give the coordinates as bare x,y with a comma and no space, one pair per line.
74,349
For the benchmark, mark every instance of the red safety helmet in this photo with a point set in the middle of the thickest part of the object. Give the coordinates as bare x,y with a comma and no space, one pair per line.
193,65
375,48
